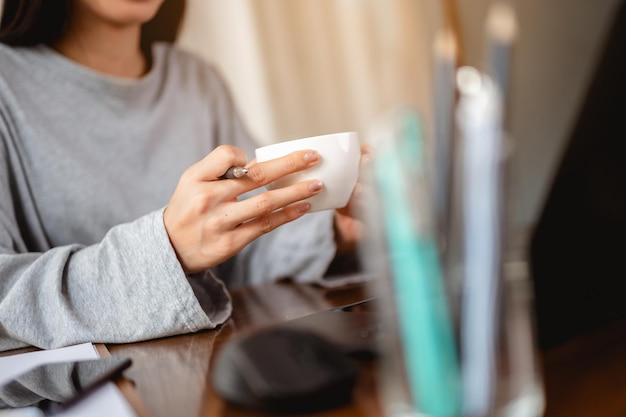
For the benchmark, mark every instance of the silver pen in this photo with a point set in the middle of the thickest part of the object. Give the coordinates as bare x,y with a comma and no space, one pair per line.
234,172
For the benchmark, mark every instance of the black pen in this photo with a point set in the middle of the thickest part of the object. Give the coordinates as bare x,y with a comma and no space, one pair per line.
234,172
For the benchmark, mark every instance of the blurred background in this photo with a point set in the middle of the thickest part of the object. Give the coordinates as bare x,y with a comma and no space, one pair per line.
300,68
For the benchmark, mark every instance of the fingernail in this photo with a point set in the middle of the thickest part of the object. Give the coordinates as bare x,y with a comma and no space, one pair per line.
303,208
316,186
311,156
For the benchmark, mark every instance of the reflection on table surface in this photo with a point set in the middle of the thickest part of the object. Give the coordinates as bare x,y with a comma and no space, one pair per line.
584,377
172,375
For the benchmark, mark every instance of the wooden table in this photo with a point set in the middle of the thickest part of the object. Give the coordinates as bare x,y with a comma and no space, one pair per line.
172,375
585,377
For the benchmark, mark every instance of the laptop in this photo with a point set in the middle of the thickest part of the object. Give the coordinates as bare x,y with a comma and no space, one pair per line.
578,248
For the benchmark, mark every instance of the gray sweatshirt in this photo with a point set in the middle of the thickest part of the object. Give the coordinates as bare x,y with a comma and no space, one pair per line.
87,164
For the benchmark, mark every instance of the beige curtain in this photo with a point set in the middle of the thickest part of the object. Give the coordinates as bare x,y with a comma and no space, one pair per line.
308,67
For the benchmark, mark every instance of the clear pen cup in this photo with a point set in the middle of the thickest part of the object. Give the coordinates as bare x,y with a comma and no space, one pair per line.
453,344
517,382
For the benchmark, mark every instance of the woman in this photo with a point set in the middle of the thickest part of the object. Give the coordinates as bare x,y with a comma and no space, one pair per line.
114,225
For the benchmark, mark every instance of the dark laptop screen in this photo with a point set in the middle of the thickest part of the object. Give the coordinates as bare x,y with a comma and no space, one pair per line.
578,250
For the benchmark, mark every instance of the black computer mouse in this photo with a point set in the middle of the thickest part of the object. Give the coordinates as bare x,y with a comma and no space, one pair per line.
284,370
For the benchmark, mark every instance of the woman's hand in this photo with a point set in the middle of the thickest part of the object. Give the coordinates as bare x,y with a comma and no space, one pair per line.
349,229
206,223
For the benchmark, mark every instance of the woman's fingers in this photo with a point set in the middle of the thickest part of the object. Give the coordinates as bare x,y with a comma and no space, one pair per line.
263,173
270,201
216,163
238,223
261,225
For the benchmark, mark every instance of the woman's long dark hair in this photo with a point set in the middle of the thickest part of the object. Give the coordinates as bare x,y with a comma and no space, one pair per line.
31,22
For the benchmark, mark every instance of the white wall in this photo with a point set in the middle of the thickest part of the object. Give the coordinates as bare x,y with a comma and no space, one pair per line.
309,67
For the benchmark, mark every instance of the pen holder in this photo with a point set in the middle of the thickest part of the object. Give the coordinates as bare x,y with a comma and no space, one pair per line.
508,385
458,338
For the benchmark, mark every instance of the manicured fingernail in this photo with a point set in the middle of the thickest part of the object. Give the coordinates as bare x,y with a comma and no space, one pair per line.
316,186
304,207
311,156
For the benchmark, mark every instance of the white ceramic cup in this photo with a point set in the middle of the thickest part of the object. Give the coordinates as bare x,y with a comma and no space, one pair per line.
338,168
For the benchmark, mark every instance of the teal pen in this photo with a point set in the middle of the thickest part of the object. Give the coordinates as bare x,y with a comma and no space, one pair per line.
424,320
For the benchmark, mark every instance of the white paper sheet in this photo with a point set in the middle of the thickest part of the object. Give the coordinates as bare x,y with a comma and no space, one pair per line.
105,401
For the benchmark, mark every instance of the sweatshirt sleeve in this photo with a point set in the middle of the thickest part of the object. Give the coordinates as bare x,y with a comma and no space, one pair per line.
127,288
